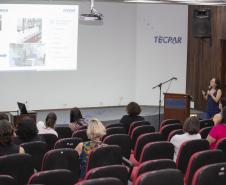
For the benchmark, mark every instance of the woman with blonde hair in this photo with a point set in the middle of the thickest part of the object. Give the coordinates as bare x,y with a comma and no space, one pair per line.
95,131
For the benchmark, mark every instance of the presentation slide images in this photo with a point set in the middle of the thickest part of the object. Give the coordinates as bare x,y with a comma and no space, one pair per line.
22,55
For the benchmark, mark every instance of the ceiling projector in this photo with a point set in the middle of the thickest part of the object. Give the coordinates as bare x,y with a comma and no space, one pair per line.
93,15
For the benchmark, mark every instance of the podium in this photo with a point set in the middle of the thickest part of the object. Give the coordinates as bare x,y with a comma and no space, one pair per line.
15,118
176,106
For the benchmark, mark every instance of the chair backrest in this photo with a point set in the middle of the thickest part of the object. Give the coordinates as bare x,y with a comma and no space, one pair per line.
143,139
121,140
37,150
153,165
161,177
63,131
157,150
7,180
103,156
210,174
114,130
81,134
175,132
165,130
187,149
137,124
200,159
84,127
101,181
19,166
221,144
169,122
52,177
139,131
50,140
117,171
65,158
206,123
67,143
114,125
204,132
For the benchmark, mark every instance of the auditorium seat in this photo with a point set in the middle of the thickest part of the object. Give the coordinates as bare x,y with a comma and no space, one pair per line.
165,130
7,180
101,181
63,131
114,125
139,131
175,132
169,122
210,174
19,166
117,171
64,158
206,123
52,177
200,159
204,132
67,143
221,145
81,134
50,140
121,140
152,165
161,177
137,124
114,130
187,149
37,150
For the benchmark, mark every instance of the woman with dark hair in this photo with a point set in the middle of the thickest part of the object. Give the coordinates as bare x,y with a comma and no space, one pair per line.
48,126
133,110
26,131
4,116
191,129
213,96
218,131
218,117
76,119
6,135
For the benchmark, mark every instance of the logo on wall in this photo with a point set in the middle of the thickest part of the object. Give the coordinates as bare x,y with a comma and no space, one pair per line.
167,40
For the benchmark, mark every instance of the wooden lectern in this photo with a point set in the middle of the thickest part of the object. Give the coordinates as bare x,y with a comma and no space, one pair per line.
176,106
15,118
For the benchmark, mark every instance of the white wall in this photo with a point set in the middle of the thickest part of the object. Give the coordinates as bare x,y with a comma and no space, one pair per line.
157,62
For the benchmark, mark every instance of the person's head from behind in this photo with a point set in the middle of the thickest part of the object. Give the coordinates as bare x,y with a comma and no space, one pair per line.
75,115
6,132
215,83
51,120
133,109
222,103
27,129
95,129
4,116
191,125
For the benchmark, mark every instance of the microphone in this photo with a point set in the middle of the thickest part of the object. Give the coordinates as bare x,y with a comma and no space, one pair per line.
174,78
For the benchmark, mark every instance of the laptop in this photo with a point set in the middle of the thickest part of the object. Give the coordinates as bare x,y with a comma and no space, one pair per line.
22,108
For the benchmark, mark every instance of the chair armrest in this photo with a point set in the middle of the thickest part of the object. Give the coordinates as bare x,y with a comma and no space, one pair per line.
129,164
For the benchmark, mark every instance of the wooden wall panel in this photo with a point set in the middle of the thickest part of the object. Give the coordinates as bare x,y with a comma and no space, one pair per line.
204,59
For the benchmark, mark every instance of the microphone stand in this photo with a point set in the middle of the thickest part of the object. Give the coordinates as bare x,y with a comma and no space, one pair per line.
160,95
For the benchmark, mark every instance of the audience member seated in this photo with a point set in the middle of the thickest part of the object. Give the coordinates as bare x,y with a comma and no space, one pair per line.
191,129
26,131
6,135
218,131
218,117
76,119
95,131
4,116
47,127
133,110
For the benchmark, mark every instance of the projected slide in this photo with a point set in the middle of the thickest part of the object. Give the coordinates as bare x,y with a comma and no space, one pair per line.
38,37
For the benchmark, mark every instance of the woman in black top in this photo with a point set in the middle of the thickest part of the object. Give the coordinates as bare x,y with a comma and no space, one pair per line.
133,110
6,135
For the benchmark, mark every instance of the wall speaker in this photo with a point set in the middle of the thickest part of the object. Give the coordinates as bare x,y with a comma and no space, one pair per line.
201,23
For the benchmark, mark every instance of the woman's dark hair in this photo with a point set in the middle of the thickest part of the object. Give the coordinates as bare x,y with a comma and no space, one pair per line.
6,132
191,125
224,116
218,83
4,116
75,115
223,101
27,129
133,109
51,120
